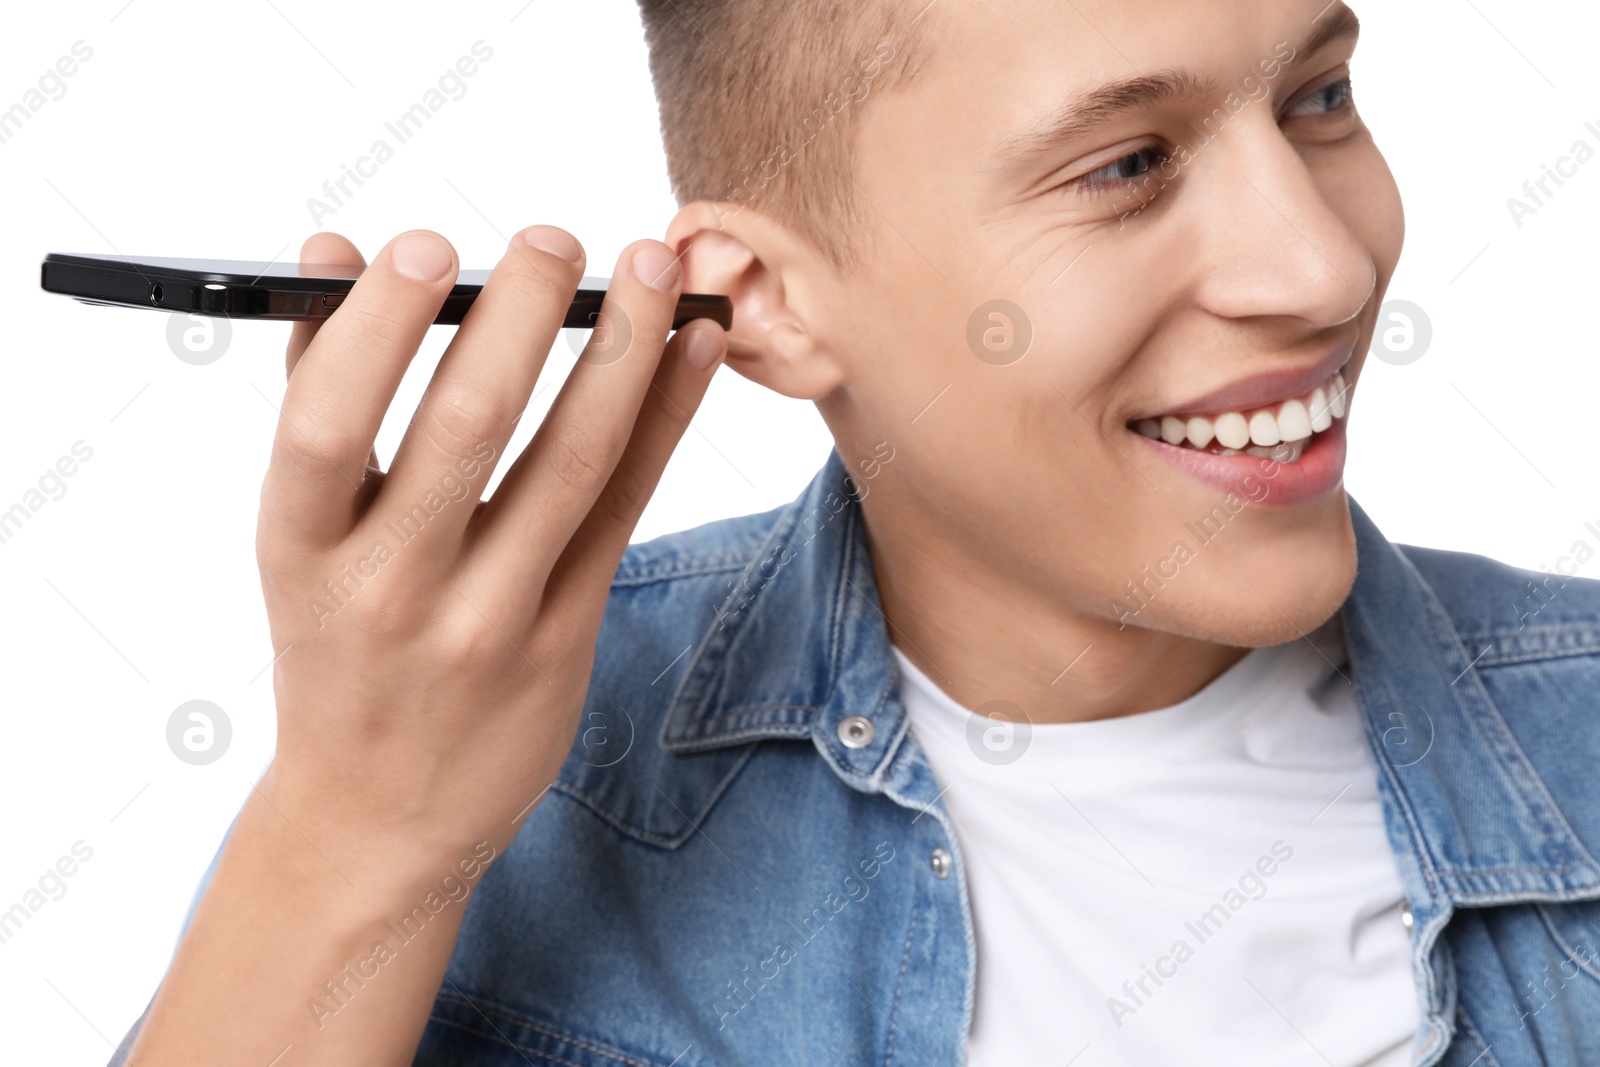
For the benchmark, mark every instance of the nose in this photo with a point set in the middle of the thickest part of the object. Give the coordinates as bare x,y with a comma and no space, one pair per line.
1269,241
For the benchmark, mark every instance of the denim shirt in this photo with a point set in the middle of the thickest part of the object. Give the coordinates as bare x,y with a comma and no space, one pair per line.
745,858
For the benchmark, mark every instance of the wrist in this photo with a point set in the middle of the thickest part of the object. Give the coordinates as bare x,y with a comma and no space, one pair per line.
386,856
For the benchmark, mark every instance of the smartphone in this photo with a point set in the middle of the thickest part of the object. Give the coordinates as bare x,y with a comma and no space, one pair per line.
240,289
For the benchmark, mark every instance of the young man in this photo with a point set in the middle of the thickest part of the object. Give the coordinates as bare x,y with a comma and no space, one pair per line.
1054,723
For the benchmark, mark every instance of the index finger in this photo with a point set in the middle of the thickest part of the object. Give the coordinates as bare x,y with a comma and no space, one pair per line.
344,383
332,249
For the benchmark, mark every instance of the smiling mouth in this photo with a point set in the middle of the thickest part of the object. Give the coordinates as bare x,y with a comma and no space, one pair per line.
1280,432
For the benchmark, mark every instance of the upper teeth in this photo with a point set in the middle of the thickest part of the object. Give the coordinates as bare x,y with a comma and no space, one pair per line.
1291,421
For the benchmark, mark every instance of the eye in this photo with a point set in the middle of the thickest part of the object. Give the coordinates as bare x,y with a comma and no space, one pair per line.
1331,99
1123,172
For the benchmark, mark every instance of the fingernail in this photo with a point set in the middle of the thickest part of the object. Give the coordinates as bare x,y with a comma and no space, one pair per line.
702,348
657,267
556,242
421,256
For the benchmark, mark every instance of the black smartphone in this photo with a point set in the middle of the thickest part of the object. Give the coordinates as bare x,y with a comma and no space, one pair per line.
289,291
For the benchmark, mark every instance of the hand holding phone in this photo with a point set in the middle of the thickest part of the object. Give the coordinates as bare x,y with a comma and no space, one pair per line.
434,648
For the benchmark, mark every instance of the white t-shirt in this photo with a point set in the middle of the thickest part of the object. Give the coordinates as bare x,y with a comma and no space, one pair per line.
1208,883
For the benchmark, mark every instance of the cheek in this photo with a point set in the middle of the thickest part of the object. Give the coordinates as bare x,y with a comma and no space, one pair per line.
993,381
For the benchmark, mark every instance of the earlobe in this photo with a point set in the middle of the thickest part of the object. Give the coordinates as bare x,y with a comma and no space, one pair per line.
737,252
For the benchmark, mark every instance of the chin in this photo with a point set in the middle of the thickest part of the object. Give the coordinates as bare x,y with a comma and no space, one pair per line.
1278,580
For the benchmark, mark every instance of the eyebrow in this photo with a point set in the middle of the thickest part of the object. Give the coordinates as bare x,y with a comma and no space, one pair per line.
1111,101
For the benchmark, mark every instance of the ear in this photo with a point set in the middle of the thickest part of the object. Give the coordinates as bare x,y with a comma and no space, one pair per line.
774,278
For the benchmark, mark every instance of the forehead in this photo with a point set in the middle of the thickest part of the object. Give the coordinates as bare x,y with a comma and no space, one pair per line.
1114,37
989,67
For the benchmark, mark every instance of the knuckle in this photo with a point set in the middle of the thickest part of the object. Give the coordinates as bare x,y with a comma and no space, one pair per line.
470,645
372,612
625,496
273,558
372,321
309,441
577,458
460,415
557,640
533,289
388,620
664,409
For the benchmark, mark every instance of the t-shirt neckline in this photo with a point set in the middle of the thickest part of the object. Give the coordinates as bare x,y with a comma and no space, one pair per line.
1262,680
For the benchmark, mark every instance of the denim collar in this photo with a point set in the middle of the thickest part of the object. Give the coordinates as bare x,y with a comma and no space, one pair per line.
802,643
1482,826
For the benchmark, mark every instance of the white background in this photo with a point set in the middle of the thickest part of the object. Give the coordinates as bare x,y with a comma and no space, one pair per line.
202,129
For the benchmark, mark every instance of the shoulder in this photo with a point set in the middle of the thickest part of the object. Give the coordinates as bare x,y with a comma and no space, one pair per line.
667,591
714,548
1533,639
665,599
1513,615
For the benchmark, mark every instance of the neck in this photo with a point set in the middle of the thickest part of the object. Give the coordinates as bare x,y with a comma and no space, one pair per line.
981,634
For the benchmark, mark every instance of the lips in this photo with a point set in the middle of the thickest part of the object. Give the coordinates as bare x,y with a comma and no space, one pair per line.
1265,482
1288,451
1278,431
1264,388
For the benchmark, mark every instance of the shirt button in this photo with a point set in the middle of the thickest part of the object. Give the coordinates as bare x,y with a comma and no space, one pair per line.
1405,914
939,860
855,731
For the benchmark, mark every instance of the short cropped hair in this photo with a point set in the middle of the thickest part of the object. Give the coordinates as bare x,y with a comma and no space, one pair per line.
758,101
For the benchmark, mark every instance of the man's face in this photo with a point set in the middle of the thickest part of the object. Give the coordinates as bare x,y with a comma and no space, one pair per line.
1208,242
